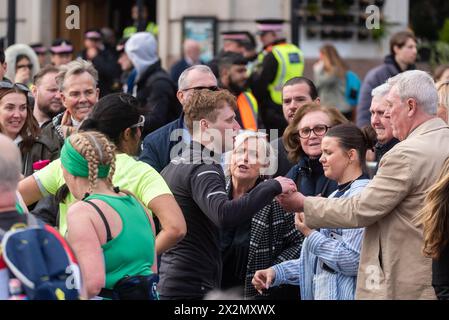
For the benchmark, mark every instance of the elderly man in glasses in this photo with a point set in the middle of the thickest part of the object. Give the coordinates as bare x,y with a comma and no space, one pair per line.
159,145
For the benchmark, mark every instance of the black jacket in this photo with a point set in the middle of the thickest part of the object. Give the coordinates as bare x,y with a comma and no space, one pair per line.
375,77
193,266
440,275
156,93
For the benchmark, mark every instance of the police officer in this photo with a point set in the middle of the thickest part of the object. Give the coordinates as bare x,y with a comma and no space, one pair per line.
151,26
278,62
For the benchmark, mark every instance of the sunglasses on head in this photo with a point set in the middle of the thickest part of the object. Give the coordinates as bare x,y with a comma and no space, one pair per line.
9,85
210,88
139,124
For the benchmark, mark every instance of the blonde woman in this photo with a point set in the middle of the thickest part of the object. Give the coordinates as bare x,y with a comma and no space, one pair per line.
329,77
268,237
110,231
435,219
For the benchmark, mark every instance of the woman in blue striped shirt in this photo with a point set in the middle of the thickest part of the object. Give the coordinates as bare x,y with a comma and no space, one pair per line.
327,267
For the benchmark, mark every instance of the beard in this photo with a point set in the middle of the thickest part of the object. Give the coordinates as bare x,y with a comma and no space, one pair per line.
50,110
235,88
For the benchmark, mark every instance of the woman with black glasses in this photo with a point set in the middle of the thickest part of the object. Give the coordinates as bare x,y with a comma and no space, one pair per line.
23,63
302,140
18,123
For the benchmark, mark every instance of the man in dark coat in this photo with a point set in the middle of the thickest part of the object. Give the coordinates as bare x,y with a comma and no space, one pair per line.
402,58
155,90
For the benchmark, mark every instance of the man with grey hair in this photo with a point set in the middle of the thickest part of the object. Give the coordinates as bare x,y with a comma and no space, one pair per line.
380,124
77,82
391,263
10,167
157,145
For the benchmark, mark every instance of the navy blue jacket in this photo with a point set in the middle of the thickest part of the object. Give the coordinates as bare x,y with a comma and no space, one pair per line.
310,179
157,145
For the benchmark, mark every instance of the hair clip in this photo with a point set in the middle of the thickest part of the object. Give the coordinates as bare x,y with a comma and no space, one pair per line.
116,189
87,194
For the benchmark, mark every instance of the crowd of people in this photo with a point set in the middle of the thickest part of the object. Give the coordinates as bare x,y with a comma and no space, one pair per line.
240,173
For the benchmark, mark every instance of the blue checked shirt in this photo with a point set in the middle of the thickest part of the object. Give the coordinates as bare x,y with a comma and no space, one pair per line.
338,249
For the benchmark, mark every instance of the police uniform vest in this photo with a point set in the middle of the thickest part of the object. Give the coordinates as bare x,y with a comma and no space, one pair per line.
151,27
290,61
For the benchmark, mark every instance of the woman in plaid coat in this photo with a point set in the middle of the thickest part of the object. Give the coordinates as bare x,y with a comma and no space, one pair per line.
269,237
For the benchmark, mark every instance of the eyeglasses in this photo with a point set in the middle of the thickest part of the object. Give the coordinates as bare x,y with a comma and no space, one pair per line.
29,66
139,124
319,130
211,88
9,85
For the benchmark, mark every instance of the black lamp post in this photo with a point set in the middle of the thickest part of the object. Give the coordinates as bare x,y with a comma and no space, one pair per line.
294,5
11,22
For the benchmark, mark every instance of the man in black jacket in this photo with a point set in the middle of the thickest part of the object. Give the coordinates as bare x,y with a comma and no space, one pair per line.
155,90
193,267
402,57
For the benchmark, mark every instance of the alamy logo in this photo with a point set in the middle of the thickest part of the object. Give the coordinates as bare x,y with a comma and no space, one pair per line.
73,20
372,281
373,20
73,281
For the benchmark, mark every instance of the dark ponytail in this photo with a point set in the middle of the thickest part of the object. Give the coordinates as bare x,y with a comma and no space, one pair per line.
351,137
112,115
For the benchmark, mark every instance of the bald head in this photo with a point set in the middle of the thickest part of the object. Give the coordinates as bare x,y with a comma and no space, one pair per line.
10,165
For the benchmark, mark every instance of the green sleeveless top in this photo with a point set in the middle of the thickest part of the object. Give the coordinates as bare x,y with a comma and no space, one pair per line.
131,252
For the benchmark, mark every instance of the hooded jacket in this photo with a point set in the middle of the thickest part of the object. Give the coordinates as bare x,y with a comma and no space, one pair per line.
156,91
11,54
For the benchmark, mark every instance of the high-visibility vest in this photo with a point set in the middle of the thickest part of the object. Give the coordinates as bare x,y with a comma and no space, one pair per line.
151,27
248,109
290,61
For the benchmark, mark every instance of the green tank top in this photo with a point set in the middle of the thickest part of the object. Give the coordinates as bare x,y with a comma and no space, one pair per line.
131,252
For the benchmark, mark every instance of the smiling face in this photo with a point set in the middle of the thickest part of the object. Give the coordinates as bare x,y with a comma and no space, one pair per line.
380,124
79,95
13,113
312,145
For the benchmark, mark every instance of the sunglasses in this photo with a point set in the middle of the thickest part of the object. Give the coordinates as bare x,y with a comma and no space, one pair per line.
139,124
29,66
9,85
211,88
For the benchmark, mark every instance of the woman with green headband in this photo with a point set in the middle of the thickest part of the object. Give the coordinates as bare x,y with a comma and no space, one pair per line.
118,117
110,232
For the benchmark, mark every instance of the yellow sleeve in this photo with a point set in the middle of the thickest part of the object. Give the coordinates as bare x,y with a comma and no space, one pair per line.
151,184
50,178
